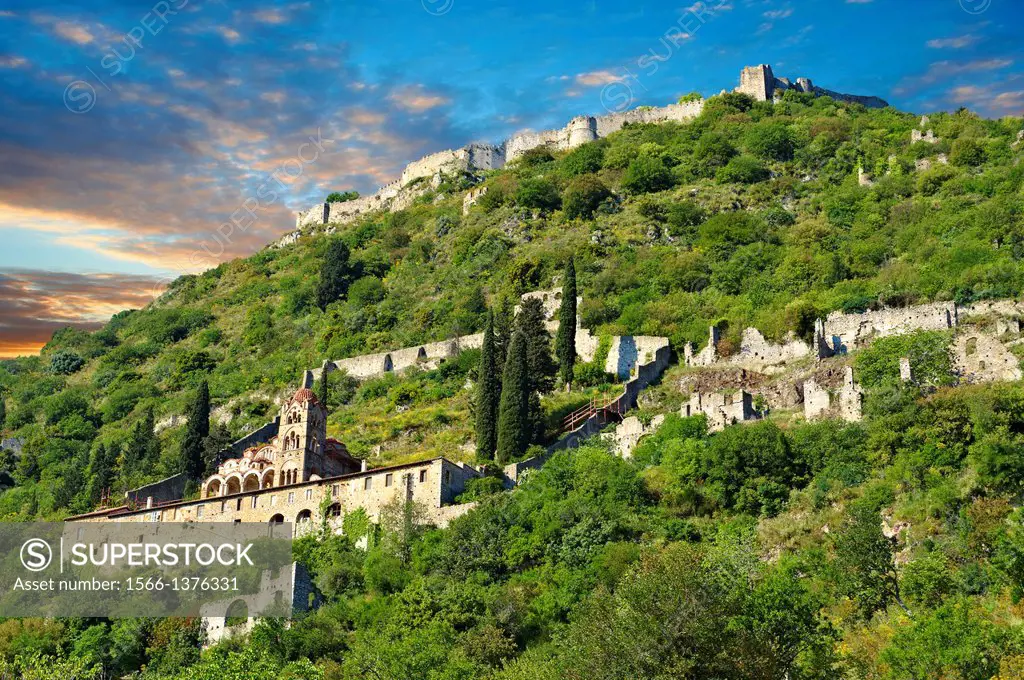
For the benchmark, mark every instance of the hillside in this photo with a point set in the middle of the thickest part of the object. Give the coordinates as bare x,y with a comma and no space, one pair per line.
756,552
750,215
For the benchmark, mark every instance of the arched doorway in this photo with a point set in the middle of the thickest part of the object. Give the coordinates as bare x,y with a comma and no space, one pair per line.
234,485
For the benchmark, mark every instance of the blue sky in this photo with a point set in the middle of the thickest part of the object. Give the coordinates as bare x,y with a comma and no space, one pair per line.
130,131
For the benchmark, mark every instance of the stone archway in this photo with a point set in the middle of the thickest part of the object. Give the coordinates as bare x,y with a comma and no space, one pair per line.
213,488
251,482
234,485
389,365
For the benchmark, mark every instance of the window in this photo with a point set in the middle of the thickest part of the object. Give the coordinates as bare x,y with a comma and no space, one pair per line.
388,479
334,491
309,494
237,521
273,500
423,476
199,512
291,497
223,506
368,483
238,504
447,476
254,499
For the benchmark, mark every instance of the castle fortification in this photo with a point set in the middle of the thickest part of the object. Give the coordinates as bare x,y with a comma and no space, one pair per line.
761,84
757,81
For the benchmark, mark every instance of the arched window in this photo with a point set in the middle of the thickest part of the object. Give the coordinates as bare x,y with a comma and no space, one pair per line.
303,517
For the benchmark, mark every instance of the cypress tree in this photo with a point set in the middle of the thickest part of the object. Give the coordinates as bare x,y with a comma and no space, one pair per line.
101,472
513,411
3,414
142,448
565,341
323,387
335,274
197,429
542,366
488,394
503,322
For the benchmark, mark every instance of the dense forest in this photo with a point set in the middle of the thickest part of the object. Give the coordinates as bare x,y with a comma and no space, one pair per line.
892,548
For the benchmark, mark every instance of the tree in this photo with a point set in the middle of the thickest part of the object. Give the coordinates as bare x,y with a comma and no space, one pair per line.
538,193
342,196
542,368
967,153
3,414
336,274
646,174
488,396
864,561
143,447
583,160
583,196
565,340
743,170
323,387
504,319
100,472
64,362
513,409
197,429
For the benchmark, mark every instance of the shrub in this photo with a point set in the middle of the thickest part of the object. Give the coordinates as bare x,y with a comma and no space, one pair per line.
928,352
366,291
647,174
583,160
342,196
771,140
711,153
537,193
64,362
583,196
743,170
684,218
967,153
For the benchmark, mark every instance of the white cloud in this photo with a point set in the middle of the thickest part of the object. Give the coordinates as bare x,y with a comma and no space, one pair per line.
956,42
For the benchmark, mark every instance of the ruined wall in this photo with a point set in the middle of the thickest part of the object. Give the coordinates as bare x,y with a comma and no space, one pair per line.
845,403
844,332
980,357
760,83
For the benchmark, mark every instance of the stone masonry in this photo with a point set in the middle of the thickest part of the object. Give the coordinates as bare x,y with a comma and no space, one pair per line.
721,409
758,81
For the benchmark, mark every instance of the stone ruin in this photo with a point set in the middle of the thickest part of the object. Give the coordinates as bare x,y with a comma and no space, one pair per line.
757,81
760,83
625,353
847,402
721,408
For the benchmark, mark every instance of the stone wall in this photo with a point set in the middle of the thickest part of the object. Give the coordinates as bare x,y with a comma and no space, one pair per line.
846,403
630,431
721,408
169,489
980,357
436,483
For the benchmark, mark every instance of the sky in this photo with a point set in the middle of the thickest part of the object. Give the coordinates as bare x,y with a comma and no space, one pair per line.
132,131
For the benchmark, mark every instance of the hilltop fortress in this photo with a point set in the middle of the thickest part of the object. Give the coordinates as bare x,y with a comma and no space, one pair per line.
419,176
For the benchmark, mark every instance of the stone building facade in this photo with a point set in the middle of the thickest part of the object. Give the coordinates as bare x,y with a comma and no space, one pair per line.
432,484
299,452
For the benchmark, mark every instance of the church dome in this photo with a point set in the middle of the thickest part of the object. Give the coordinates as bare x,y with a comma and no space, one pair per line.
304,394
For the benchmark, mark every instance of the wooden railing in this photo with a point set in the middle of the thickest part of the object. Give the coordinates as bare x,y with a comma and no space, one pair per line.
603,409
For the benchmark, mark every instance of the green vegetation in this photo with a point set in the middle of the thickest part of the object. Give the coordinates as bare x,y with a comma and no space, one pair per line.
565,340
890,549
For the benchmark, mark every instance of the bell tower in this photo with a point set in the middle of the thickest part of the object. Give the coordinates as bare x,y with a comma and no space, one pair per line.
301,438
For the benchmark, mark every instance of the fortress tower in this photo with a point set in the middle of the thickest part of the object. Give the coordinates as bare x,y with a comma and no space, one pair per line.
582,129
758,82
